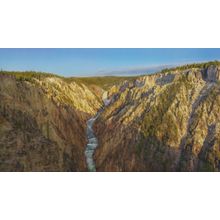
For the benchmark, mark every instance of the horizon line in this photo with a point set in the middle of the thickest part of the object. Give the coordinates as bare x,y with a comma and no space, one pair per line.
121,72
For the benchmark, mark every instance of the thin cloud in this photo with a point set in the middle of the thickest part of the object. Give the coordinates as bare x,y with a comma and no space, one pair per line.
134,71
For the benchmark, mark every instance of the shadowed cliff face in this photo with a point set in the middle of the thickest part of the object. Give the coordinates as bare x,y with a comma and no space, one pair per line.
162,122
43,123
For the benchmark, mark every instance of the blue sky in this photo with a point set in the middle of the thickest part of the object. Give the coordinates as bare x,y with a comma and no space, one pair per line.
75,62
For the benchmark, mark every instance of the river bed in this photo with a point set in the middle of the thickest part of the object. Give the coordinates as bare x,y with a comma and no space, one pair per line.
92,143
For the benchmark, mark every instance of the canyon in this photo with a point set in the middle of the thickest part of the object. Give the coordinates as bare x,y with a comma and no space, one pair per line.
167,121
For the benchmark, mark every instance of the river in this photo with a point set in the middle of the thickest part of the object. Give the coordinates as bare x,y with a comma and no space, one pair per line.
92,143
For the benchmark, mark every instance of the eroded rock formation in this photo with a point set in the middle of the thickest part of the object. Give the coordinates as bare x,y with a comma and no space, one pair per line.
170,123
43,124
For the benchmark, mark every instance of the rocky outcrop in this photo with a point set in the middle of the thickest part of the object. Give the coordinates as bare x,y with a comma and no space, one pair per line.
212,73
169,123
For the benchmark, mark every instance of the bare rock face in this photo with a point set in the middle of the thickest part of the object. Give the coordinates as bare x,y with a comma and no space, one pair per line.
170,123
212,74
166,79
43,124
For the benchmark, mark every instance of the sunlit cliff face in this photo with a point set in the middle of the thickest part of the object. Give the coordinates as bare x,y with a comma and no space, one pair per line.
43,124
165,122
